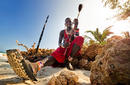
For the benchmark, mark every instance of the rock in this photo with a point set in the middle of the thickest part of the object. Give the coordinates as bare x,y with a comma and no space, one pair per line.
31,54
41,52
93,50
110,42
64,78
75,62
111,67
83,51
59,80
85,64
114,39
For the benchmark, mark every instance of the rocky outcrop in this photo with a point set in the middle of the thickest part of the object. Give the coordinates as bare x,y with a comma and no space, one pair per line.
111,67
88,54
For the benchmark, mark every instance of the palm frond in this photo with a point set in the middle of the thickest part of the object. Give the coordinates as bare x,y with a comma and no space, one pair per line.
98,34
85,36
126,34
89,31
106,33
99,37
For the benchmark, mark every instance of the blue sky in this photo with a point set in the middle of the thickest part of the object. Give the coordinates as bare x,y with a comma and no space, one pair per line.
23,20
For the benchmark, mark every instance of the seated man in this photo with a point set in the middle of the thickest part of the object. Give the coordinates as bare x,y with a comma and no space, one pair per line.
72,43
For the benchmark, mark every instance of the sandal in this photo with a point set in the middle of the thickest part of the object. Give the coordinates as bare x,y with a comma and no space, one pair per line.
20,66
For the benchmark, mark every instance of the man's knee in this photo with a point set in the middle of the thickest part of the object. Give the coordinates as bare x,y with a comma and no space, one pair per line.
79,40
51,60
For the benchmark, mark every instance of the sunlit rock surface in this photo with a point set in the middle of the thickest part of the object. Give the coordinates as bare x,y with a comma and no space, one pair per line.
112,66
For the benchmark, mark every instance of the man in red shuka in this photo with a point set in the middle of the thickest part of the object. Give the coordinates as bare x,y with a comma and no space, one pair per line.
69,46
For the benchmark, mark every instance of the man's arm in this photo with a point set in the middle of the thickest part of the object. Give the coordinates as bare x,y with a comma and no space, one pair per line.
77,32
61,36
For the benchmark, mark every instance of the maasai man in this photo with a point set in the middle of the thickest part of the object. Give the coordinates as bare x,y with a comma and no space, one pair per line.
69,45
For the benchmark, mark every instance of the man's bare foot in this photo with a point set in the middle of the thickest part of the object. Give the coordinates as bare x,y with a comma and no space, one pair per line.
70,66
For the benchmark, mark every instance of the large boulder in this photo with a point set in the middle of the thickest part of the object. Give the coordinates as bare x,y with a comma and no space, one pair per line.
111,67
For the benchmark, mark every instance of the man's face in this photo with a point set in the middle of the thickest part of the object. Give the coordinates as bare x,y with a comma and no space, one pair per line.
68,23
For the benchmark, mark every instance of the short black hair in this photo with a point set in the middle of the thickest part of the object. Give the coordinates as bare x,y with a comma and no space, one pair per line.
67,19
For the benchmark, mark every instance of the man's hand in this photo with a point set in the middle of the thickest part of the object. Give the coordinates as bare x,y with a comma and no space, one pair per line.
62,46
70,58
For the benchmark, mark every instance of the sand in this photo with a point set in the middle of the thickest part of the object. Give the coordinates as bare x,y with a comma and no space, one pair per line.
8,77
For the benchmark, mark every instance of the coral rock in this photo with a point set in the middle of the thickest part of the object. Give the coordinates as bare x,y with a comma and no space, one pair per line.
64,78
93,50
114,39
112,66
31,53
85,64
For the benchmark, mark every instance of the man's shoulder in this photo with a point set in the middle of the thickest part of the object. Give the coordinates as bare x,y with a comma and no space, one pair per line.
62,31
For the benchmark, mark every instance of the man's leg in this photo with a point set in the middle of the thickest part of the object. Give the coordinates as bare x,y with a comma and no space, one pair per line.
51,60
74,49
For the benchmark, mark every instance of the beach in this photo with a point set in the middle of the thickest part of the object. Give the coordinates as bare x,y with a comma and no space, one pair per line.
8,77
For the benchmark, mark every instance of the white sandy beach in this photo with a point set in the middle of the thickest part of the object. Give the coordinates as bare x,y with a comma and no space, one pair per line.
8,77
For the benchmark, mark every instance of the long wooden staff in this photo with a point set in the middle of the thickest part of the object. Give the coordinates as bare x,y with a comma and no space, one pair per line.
41,34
